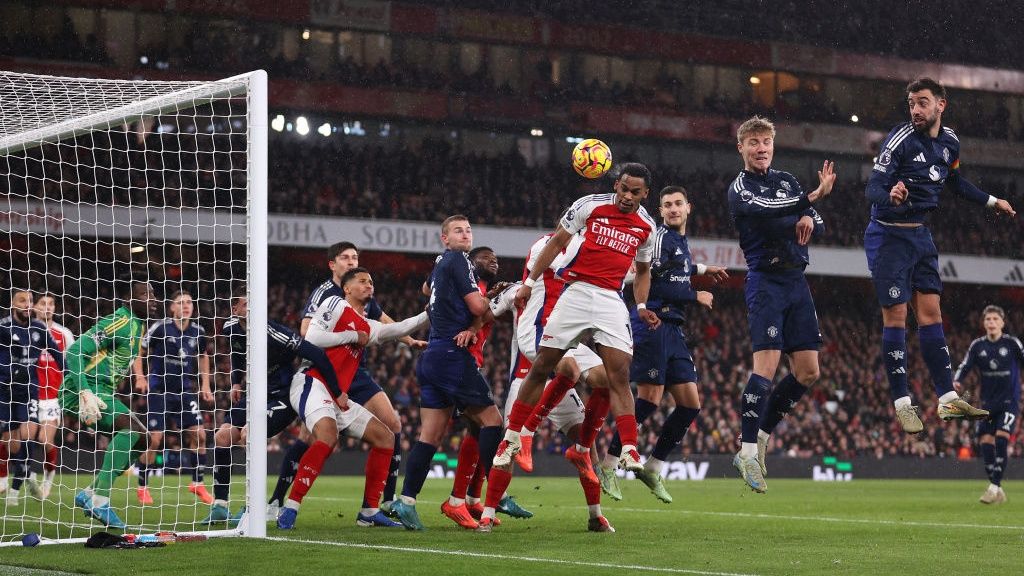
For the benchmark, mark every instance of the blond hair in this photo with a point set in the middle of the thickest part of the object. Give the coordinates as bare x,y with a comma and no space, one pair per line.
455,218
993,309
755,125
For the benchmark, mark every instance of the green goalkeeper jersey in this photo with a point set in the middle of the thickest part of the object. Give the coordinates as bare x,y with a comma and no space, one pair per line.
102,357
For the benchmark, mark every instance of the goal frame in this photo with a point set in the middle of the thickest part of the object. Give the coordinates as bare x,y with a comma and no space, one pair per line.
254,86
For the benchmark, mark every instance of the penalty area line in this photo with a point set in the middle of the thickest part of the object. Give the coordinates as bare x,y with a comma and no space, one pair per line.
492,556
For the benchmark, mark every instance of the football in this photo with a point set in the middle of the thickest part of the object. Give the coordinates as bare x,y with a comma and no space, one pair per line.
591,158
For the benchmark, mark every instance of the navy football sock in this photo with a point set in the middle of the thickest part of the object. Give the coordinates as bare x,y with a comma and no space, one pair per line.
783,398
221,472
143,473
19,466
197,472
488,440
894,358
289,466
754,402
1000,465
988,454
672,432
396,462
416,468
643,410
936,357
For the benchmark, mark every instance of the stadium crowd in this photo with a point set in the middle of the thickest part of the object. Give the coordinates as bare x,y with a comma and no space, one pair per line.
246,45
432,180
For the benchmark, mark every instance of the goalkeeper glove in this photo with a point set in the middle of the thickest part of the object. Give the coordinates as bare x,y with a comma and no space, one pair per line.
90,407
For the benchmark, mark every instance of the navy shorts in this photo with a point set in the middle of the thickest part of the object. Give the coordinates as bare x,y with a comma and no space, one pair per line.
280,414
181,408
449,377
660,356
363,387
1005,420
780,312
902,261
13,412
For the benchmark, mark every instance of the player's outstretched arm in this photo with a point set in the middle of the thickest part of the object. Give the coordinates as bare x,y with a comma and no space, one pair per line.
321,329
717,273
641,290
551,250
407,340
380,333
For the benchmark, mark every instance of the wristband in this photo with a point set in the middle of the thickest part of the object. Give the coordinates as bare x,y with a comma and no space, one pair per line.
701,269
991,201
529,282
641,306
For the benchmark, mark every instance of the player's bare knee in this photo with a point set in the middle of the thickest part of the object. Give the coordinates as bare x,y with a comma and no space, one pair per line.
378,435
808,376
650,392
326,430
490,417
895,316
567,367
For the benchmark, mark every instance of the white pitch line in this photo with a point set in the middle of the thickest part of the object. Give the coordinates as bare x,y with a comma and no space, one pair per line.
491,556
831,519
823,519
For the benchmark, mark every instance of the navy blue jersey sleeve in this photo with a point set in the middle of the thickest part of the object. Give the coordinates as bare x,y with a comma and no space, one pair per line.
1018,350
744,201
201,340
461,270
964,188
154,337
819,222
968,363
237,346
322,364
887,165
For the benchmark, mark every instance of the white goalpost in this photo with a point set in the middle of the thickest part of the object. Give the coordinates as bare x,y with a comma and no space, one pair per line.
113,183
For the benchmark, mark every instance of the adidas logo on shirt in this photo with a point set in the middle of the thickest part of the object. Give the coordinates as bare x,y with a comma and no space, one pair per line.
919,157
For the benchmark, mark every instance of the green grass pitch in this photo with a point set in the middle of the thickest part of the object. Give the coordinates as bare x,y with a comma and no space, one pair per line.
714,527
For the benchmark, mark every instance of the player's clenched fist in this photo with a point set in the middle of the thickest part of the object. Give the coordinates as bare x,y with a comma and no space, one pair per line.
898,194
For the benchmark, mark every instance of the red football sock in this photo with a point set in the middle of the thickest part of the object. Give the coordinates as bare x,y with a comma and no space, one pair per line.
552,395
477,483
593,419
310,465
378,464
51,459
591,490
627,429
517,417
497,483
469,455
4,456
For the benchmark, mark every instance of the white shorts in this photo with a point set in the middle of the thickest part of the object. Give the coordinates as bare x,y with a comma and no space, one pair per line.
313,402
568,412
584,309
585,357
49,410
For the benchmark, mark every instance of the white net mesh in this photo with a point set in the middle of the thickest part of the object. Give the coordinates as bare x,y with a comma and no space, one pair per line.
106,186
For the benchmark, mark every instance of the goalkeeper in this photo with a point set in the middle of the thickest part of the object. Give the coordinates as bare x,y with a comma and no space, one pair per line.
96,364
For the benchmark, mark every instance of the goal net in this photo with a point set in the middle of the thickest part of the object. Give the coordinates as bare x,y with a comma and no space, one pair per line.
109,188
